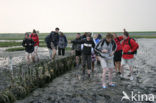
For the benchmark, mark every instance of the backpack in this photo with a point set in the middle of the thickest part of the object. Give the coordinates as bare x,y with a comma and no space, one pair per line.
135,52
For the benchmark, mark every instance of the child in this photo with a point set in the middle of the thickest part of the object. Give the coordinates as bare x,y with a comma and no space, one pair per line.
28,43
35,38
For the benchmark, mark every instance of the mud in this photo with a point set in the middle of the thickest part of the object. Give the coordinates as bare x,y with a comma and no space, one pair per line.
69,88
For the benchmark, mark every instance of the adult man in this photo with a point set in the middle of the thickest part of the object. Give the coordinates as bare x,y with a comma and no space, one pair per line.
52,41
118,53
106,49
77,48
88,44
129,47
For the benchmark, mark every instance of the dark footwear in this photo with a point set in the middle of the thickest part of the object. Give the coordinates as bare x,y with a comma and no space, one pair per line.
119,73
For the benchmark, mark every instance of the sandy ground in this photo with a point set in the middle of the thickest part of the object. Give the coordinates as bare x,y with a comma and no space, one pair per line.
68,88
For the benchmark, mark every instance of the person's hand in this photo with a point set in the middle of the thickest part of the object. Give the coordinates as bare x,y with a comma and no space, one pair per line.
104,51
25,44
72,52
112,53
30,44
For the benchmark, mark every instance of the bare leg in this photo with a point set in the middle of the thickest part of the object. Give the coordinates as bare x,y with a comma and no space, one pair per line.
131,70
93,66
33,59
89,71
116,67
77,60
54,54
110,75
122,70
28,58
104,76
119,66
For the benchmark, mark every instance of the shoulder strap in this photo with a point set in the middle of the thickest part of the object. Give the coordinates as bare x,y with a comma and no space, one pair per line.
118,39
103,41
129,42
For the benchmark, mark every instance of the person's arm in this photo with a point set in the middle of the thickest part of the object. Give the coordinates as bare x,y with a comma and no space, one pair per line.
32,42
120,38
78,41
66,41
134,45
30,35
38,40
23,43
98,47
73,46
93,44
51,37
114,46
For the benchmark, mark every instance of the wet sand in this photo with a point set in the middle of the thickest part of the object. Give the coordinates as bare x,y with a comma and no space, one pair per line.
68,88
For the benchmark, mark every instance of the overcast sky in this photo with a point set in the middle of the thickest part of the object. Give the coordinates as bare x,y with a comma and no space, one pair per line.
77,15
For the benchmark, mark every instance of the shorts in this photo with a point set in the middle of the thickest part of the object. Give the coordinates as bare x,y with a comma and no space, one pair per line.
106,63
86,59
35,48
78,53
50,53
127,61
30,50
117,56
51,46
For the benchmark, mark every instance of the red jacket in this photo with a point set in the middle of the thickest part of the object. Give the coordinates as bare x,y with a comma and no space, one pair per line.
117,41
35,38
126,48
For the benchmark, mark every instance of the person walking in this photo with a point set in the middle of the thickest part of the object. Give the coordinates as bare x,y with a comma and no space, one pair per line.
77,49
88,44
106,49
129,48
62,44
28,44
118,53
35,38
52,42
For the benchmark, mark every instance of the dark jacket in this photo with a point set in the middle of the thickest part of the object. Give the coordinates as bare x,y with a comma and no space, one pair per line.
87,46
76,46
28,44
52,37
62,41
103,44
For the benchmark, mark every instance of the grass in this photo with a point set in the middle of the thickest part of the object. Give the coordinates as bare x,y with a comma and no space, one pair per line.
15,49
9,44
70,36
22,49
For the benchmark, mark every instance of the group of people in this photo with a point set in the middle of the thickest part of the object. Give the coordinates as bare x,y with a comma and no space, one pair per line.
31,44
111,51
53,41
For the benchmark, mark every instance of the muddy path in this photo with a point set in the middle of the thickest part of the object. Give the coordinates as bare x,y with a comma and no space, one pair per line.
68,88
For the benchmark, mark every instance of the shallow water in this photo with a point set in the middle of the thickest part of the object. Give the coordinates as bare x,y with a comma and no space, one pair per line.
69,88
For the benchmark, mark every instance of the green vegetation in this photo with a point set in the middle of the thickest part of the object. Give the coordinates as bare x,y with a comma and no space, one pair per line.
143,36
9,44
22,48
15,49
70,36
